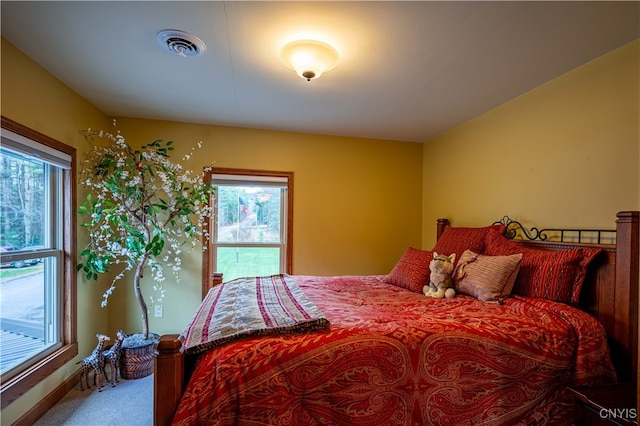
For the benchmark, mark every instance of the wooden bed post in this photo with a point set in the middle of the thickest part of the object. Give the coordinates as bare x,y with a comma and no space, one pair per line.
441,224
168,381
636,360
216,278
628,245
169,371
626,296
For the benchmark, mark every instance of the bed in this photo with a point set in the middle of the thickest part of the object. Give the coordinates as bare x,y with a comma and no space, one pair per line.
373,350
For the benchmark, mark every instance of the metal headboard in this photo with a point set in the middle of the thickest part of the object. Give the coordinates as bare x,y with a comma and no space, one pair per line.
515,228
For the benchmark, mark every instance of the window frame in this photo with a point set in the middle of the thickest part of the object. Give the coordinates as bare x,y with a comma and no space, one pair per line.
207,243
32,374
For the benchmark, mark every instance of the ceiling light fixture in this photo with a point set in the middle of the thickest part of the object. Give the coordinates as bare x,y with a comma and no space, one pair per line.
181,43
309,58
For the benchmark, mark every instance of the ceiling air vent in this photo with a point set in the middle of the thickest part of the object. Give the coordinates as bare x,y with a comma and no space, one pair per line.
181,43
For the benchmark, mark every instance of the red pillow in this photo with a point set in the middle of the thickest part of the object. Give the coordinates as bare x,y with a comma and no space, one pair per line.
588,254
545,274
457,240
412,270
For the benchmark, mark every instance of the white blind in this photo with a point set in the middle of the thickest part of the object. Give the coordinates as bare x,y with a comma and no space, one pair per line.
32,149
247,180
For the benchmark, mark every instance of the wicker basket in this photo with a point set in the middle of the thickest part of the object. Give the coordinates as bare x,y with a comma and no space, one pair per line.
136,359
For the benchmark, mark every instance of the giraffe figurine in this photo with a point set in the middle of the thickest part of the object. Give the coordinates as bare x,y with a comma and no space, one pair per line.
94,361
112,357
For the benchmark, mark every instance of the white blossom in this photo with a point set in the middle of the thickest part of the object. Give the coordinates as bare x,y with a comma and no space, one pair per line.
136,196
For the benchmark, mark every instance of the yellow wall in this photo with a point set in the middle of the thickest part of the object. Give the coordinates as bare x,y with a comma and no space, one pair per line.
565,154
357,202
34,98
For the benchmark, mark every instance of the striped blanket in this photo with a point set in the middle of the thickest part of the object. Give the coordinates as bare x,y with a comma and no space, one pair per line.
248,307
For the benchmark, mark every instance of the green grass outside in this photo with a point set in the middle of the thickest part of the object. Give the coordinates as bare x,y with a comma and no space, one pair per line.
232,262
9,272
248,261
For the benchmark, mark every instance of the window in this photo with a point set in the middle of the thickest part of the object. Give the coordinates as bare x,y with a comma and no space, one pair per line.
37,248
250,234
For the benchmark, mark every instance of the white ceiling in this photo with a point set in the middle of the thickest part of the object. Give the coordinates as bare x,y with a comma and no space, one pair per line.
408,70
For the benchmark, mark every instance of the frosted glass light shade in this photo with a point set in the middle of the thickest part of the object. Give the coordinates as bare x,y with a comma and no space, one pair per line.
309,58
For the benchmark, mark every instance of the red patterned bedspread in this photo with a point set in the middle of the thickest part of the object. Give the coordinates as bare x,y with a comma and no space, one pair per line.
394,357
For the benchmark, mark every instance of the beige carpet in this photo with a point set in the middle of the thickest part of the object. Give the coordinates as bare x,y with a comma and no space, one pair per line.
130,402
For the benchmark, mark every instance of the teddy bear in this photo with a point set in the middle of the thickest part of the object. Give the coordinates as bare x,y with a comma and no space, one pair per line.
440,282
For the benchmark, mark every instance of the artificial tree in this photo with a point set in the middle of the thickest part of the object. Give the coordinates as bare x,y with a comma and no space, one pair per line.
142,209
